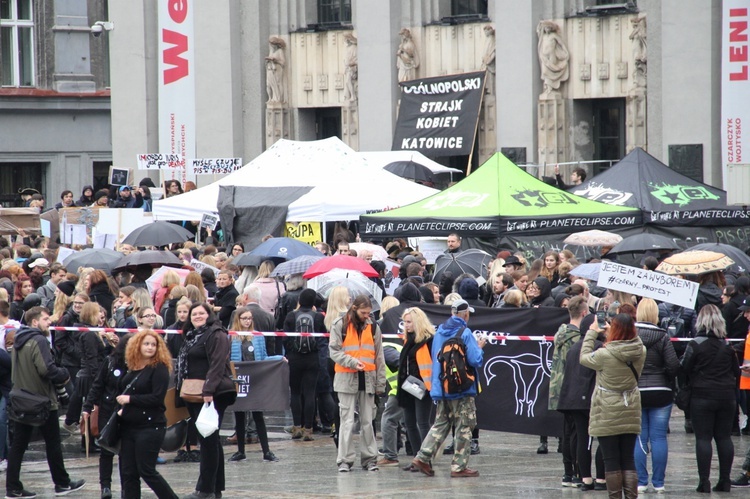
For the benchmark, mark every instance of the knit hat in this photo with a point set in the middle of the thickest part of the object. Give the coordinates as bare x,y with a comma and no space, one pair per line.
147,182
66,287
100,194
307,298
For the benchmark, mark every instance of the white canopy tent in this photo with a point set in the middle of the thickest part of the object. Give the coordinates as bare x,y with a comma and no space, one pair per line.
343,185
381,159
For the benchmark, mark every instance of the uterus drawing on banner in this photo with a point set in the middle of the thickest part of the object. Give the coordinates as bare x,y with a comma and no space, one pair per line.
528,372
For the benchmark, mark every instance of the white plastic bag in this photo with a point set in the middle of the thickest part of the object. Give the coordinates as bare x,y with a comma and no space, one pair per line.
208,420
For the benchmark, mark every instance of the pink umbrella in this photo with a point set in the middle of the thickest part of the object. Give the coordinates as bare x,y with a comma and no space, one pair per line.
154,282
339,262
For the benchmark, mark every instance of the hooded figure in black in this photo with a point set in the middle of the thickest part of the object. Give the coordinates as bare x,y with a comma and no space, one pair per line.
87,196
545,290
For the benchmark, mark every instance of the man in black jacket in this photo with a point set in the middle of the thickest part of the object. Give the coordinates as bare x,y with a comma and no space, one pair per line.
34,371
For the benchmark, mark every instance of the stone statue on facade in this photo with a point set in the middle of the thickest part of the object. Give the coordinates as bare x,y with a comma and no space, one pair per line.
275,63
640,49
407,57
351,76
553,57
488,59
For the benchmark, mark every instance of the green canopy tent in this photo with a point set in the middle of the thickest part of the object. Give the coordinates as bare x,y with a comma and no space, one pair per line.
499,200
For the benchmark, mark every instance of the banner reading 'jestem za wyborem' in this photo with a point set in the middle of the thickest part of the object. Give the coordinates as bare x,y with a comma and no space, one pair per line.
438,116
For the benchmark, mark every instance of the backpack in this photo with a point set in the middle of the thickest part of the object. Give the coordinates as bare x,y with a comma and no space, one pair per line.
455,373
674,324
304,322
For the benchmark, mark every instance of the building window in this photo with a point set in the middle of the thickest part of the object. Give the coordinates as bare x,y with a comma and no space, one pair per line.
17,176
17,43
335,11
468,7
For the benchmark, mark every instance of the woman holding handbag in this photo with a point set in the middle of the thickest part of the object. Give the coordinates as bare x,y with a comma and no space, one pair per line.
102,396
416,362
204,356
142,420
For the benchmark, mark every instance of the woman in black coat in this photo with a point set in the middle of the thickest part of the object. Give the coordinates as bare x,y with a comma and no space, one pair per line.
205,355
712,370
104,390
98,290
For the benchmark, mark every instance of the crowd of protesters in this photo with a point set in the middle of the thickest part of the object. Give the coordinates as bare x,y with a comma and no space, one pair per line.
624,369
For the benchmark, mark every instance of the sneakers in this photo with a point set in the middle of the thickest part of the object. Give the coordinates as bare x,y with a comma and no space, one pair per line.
270,457
307,435
371,466
567,481
474,447
160,460
73,429
106,493
74,485
588,486
237,456
425,468
660,490
642,489
465,473
450,450
742,481
194,456
344,468
3,465
577,482
385,462
600,485
20,493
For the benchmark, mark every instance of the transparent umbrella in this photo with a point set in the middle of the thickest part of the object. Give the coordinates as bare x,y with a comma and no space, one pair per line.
356,282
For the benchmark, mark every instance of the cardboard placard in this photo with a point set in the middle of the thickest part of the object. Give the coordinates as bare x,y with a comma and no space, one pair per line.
661,287
14,219
119,176
307,232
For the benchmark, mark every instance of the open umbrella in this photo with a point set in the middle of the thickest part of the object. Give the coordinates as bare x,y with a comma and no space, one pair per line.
593,238
741,260
296,265
248,260
471,261
97,258
694,263
640,243
154,258
283,247
352,280
378,252
345,262
411,170
157,234
154,282
588,271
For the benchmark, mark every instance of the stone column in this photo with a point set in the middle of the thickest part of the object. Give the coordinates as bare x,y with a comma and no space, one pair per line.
553,61
635,134
551,116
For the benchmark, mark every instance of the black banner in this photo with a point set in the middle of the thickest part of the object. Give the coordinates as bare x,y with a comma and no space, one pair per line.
514,379
263,386
438,116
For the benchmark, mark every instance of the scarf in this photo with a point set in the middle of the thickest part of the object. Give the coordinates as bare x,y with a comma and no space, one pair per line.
189,340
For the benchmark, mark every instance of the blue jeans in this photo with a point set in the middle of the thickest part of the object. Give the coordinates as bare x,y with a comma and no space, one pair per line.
653,438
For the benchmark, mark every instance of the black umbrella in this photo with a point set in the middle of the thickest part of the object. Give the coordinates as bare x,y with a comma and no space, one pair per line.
411,170
158,234
154,258
471,261
97,258
640,243
741,260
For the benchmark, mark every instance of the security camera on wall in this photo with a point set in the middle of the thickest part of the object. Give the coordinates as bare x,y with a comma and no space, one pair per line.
100,27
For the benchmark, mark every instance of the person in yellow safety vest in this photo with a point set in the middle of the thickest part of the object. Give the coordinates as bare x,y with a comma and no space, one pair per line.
416,361
392,414
356,349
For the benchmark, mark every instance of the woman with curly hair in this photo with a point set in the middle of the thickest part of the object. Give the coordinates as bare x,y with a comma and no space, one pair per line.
142,419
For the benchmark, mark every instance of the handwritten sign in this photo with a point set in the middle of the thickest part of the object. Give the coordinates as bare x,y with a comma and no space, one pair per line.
214,165
661,287
200,266
159,161
307,232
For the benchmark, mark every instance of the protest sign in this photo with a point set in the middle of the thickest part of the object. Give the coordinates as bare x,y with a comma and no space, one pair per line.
202,166
208,220
158,161
307,232
119,176
661,287
121,221
200,266
268,390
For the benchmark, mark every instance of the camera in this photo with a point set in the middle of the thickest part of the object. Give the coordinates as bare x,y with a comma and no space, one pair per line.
62,394
97,30
601,318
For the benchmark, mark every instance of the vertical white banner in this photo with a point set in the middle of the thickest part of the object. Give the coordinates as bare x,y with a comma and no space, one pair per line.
177,83
735,98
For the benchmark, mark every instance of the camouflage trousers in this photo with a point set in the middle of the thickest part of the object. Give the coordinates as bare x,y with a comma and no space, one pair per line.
461,413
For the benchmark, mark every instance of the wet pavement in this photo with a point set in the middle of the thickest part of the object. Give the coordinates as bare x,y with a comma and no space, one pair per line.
508,466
